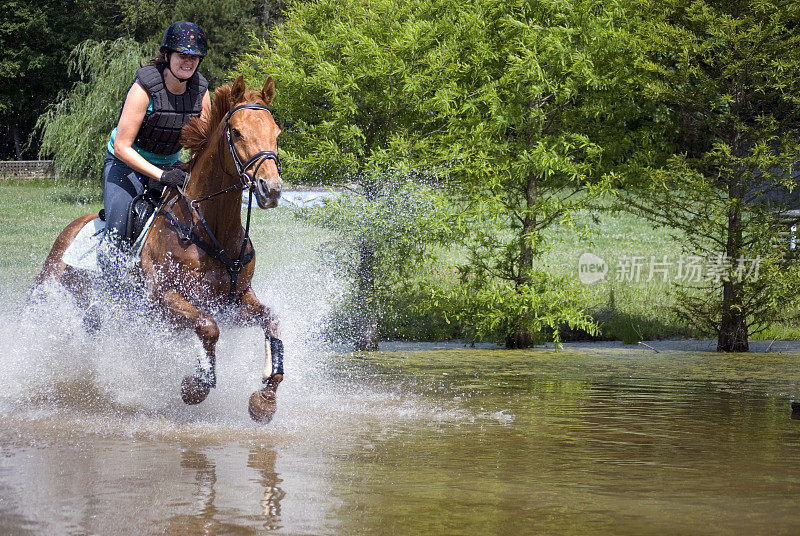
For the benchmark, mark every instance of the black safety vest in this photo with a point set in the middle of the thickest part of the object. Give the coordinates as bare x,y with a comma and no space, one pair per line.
160,132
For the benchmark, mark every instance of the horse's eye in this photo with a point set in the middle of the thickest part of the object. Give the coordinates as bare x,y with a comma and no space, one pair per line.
235,133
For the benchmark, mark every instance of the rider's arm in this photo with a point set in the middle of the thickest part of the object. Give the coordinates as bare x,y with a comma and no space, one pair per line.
130,121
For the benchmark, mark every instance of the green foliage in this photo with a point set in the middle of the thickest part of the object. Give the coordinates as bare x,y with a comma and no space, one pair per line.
365,86
348,76
75,130
527,95
720,150
496,310
399,225
35,38
502,98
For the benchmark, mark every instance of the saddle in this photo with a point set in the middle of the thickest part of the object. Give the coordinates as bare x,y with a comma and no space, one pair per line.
82,252
140,211
142,208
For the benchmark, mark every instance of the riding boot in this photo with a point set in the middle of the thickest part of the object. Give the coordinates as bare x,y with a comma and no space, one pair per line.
92,320
112,258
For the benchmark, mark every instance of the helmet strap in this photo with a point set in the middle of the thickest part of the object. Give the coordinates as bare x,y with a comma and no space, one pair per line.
178,78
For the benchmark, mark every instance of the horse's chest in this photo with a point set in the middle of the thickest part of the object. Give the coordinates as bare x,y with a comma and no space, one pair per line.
198,277
204,282
194,273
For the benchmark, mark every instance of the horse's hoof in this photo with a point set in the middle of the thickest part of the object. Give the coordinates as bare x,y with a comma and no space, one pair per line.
263,405
194,390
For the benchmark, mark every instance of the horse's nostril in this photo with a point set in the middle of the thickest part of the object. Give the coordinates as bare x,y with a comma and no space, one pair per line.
269,187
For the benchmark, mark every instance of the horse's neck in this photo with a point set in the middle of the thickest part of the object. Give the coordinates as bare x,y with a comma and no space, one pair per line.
221,212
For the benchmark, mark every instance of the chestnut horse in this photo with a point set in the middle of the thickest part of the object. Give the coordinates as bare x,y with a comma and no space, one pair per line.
197,257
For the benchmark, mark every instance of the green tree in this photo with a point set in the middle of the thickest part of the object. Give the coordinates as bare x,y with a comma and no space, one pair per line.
722,145
528,96
349,76
399,224
503,97
36,38
75,130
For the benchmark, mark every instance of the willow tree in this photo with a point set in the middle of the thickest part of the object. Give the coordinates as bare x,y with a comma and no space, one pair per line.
75,129
723,79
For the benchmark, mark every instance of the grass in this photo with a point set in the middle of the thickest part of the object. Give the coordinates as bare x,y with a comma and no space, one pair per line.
628,306
33,213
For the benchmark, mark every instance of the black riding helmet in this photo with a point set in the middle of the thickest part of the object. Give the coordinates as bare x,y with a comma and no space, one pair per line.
185,38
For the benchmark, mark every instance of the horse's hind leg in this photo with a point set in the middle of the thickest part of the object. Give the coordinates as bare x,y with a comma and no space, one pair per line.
263,402
195,388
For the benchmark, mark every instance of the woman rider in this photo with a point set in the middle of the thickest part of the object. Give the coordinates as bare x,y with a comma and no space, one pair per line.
144,146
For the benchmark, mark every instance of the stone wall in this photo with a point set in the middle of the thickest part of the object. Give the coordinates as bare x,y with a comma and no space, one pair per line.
27,169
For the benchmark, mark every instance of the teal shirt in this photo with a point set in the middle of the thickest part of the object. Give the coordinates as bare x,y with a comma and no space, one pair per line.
164,160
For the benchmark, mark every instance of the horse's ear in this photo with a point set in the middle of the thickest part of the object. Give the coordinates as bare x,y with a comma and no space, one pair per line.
269,91
238,90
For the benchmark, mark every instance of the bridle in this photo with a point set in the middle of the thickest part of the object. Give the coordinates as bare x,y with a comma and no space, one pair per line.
259,158
246,181
214,249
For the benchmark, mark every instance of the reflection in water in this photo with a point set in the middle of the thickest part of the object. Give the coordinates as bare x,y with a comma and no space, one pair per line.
209,514
263,460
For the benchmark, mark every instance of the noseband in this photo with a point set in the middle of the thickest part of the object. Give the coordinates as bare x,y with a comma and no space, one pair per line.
259,158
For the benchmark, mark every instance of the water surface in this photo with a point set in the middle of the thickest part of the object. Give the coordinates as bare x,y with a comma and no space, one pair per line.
94,439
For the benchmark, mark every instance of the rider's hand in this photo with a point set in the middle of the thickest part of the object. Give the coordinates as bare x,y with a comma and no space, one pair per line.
174,177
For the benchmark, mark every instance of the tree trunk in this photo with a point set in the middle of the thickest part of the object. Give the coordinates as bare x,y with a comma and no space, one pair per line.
522,337
733,325
272,15
17,140
366,321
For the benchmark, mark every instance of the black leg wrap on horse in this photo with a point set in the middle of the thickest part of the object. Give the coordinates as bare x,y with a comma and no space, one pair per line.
206,373
276,349
206,377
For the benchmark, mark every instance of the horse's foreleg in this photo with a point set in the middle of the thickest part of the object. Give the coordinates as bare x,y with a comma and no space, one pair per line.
263,402
195,388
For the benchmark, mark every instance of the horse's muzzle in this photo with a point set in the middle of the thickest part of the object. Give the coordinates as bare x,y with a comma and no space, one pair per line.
268,192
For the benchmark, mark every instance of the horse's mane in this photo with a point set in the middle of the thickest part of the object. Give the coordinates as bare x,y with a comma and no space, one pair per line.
197,132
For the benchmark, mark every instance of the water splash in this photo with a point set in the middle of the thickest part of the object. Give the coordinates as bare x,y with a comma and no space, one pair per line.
124,380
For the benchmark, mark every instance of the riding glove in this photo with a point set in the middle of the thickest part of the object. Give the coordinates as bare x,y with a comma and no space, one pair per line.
174,177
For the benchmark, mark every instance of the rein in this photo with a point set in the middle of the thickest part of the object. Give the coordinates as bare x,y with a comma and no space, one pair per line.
215,249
